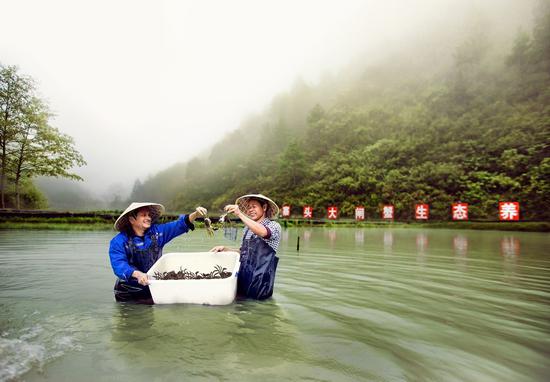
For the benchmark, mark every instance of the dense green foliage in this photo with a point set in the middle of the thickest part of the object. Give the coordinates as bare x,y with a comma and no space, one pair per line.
476,131
29,145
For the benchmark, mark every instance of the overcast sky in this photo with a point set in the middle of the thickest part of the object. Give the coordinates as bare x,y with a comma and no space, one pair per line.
141,85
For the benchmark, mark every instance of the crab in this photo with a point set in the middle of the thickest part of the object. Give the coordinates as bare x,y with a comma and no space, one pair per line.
220,272
208,225
223,221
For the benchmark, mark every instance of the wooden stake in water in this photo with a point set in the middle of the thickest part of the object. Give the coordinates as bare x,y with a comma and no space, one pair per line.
298,244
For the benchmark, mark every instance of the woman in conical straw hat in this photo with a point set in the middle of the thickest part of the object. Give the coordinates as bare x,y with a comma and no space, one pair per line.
261,239
139,244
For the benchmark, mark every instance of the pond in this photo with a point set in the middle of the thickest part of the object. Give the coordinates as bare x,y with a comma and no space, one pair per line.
352,304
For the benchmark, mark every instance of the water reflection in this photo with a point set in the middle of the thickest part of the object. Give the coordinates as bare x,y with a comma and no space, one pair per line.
359,236
388,240
509,246
332,236
130,321
307,235
421,242
421,246
510,251
285,235
460,245
230,233
184,340
345,313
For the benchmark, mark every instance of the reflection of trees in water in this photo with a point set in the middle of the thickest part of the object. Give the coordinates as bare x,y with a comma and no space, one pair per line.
207,341
359,237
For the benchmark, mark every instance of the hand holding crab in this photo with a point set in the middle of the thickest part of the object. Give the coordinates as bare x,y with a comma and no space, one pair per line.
233,209
223,221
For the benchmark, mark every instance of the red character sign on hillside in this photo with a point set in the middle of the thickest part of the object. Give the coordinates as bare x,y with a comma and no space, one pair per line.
422,211
460,211
286,211
508,211
332,212
387,212
359,213
308,212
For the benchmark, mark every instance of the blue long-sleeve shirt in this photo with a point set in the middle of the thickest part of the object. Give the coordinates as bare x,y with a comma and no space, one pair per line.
118,252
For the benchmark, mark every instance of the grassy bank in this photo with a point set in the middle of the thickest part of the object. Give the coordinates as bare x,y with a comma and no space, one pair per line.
64,223
62,220
101,223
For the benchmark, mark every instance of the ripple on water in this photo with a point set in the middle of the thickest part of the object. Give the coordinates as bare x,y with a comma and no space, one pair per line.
393,307
32,346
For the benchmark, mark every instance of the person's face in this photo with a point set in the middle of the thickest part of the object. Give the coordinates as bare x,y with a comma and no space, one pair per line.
142,221
255,210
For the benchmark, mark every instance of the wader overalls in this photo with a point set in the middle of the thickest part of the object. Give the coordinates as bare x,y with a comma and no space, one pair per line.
258,267
141,259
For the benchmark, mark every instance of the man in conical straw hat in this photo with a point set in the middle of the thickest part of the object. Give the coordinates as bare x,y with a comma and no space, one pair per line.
261,239
139,244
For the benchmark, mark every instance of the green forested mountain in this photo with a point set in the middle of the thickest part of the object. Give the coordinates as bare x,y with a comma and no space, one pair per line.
474,128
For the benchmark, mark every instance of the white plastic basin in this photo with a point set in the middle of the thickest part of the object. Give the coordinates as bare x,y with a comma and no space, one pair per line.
205,291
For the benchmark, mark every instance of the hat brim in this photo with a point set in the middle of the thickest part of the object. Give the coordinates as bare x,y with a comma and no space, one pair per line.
155,210
272,205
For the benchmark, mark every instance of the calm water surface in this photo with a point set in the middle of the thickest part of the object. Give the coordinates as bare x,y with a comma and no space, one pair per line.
352,304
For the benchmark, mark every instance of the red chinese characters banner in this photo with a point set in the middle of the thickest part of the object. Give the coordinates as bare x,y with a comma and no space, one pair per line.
460,211
508,211
387,212
359,213
286,211
332,212
422,211
308,212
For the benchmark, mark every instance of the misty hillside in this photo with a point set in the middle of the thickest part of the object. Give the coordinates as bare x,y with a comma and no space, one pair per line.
472,125
65,194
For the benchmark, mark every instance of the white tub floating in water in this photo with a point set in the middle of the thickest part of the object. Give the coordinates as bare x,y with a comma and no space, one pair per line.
204,291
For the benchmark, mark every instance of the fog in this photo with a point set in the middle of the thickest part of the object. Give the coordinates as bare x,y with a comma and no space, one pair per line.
141,85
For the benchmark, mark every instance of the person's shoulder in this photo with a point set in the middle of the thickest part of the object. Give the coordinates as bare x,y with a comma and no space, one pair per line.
119,238
153,229
274,225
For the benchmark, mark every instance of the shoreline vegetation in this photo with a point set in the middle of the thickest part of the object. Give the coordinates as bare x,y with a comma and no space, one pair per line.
469,127
104,220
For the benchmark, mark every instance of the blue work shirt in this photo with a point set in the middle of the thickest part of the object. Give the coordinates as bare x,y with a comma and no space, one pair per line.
118,249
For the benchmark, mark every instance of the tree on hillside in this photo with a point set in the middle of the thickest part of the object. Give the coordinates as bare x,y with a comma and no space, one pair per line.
29,145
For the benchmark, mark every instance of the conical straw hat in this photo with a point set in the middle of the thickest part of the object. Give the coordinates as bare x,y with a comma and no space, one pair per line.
155,210
273,209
